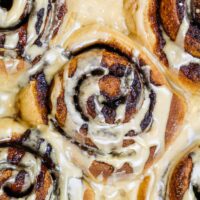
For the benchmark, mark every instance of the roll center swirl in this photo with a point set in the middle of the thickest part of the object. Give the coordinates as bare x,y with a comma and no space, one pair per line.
110,91
114,94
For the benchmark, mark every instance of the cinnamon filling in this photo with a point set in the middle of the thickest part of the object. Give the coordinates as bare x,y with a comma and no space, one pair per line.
183,19
191,71
113,95
180,179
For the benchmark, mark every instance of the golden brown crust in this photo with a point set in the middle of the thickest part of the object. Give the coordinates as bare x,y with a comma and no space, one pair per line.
143,188
99,168
61,108
154,24
175,119
110,59
5,175
42,189
128,142
33,98
126,168
192,45
171,22
180,179
151,157
72,67
89,194
110,86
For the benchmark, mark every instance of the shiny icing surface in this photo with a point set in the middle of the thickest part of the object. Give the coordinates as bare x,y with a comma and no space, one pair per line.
188,138
82,13
72,181
175,51
90,12
108,138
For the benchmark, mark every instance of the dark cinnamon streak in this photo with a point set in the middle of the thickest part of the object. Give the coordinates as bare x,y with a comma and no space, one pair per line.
60,16
42,94
91,107
76,98
2,40
194,31
133,97
22,39
16,189
7,4
117,70
40,178
180,179
195,5
180,4
155,21
148,116
15,155
40,16
38,41
191,71
109,114
196,191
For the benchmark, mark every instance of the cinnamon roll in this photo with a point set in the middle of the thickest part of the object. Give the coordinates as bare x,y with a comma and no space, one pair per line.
27,164
30,167
170,29
26,30
108,100
182,180
26,27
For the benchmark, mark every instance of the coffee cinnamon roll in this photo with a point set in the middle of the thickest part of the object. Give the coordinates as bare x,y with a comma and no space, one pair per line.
108,100
26,27
170,29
